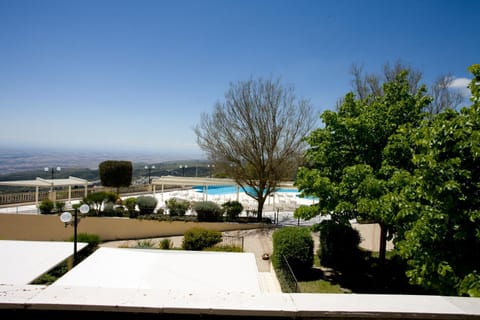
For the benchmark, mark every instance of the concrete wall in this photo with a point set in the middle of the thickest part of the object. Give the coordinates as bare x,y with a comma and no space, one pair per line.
50,228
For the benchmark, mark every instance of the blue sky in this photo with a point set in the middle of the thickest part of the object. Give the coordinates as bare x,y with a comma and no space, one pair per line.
136,75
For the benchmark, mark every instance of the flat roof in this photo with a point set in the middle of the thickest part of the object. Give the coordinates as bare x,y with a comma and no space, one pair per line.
24,261
179,270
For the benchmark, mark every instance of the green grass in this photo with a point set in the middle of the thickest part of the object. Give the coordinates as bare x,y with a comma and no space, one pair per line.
320,286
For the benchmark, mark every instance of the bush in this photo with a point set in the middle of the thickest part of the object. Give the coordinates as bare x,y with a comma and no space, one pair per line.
166,244
146,204
208,211
177,207
115,173
59,206
200,238
296,245
232,210
109,209
131,204
338,245
96,199
46,206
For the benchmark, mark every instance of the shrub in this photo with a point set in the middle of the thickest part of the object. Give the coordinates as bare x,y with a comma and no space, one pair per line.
115,173
208,211
232,210
109,209
200,238
146,204
177,207
338,245
166,244
59,206
145,244
46,206
296,245
131,204
96,199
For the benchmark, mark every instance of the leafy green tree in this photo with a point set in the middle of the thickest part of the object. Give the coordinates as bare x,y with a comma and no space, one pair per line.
441,225
115,173
257,135
345,160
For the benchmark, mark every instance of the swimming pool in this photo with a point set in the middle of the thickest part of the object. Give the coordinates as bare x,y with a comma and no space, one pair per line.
222,190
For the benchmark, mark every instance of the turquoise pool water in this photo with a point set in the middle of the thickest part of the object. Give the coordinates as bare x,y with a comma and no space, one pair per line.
221,190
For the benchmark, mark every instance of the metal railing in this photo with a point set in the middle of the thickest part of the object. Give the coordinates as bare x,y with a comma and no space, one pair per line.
290,276
236,241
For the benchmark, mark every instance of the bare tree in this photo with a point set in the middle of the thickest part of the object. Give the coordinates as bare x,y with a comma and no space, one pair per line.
444,96
368,86
257,135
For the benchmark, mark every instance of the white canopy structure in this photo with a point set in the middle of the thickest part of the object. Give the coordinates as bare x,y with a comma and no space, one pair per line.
51,183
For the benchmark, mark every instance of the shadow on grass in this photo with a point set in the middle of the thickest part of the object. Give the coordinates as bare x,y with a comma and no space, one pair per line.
367,274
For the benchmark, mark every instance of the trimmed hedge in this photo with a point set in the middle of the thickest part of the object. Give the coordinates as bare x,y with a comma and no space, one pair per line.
146,204
338,245
295,244
200,238
177,207
232,210
208,211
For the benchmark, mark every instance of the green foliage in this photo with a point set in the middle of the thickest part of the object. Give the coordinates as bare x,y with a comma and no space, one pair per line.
208,211
177,207
146,204
232,210
46,206
59,206
131,204
96,200
295,244
145,244
91,239
444,207
225,248
166,244
114,173
338,245
346,162
200,238
109,209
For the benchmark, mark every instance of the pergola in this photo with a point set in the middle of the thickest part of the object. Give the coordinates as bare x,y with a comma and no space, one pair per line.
51,183
205,182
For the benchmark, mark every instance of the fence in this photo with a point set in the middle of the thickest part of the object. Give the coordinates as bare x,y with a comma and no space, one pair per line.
62,194
236,241
289,276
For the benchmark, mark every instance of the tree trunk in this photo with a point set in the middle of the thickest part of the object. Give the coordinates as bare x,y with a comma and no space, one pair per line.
383,242
261,202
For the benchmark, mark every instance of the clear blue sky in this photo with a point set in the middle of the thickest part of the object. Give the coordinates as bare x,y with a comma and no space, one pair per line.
136,75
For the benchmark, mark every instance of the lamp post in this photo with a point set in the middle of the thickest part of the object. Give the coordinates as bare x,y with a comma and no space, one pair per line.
52,170
183,167
66,218
210,168
149,170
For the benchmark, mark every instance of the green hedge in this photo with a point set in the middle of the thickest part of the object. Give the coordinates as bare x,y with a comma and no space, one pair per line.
338,245
208,211
295,244
200,238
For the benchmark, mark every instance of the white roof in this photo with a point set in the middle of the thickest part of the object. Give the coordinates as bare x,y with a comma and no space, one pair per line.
24,261
40,182
178,270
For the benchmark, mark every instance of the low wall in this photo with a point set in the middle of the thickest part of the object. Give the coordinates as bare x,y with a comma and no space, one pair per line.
50,228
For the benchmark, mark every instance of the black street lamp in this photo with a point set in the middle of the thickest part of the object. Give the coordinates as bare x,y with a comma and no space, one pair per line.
149,170
66,218
210,168
183,167
52,171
